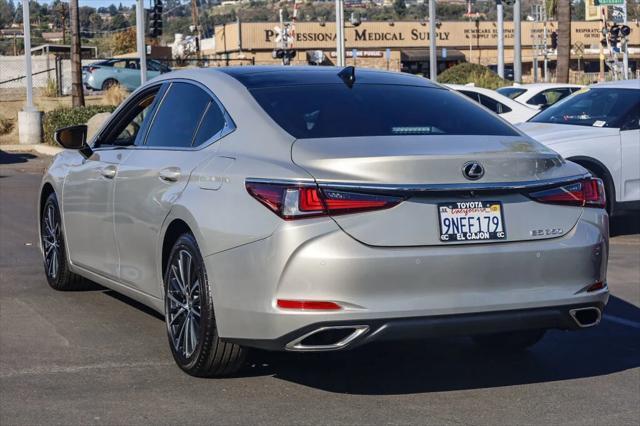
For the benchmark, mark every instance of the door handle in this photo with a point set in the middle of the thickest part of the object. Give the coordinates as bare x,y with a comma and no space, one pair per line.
170,174
109,172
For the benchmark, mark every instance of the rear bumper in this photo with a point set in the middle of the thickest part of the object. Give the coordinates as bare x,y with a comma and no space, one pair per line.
316,260
397,329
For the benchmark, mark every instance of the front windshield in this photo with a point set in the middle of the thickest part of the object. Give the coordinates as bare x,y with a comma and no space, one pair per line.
597,107
511,92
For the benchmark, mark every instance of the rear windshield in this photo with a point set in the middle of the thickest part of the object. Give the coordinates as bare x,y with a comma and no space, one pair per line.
511,92
335,110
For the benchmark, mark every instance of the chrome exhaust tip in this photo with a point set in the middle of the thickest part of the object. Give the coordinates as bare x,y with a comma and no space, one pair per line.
586,317
328,338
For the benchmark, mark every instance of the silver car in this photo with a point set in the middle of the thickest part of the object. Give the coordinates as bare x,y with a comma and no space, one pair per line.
318,209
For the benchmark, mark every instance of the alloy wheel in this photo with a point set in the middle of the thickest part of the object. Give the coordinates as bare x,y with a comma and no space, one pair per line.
183,303
51,241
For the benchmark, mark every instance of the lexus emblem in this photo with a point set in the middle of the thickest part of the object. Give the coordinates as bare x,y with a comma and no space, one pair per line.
473,170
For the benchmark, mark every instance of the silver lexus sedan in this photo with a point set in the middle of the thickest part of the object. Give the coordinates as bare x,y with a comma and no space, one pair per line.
319,209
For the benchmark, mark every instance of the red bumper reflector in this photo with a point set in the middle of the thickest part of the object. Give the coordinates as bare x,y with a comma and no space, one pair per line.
595,286
308,305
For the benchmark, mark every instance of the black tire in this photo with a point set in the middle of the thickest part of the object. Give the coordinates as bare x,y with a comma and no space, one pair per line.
109,83
56,266
513,341
189,314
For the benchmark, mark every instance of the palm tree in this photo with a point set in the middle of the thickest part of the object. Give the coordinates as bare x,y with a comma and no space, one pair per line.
562,10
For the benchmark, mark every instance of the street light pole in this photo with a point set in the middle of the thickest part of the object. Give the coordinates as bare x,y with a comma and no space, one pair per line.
433,54
340,33
26,25
517,41
142,50
500,38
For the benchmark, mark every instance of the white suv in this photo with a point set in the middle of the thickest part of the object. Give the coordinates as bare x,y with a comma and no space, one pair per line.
599,128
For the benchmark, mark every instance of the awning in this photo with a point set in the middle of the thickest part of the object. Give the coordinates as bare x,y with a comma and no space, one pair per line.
422,55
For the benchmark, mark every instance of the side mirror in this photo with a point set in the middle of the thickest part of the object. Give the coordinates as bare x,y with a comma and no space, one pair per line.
74,137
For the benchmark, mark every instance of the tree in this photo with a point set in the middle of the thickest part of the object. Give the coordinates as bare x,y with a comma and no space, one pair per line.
119,22
124,41
77,91
400,7
7,10
563,12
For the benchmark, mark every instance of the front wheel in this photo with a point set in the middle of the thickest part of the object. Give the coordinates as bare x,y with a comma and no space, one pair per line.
191,324
56,267
513,341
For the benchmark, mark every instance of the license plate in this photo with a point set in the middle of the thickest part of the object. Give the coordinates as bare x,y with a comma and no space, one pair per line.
471,221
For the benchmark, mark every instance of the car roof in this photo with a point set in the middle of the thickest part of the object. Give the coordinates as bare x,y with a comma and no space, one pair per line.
620,84
542,86
491,93
254,77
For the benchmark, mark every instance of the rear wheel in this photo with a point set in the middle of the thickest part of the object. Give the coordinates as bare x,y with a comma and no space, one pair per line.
56,266
513,341
191,324
109,83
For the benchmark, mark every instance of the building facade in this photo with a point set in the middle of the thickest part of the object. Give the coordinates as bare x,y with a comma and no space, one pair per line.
405,45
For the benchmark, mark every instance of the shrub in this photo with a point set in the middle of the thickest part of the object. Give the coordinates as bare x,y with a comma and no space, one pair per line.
6,126
50,89
114,95
63,117
466,72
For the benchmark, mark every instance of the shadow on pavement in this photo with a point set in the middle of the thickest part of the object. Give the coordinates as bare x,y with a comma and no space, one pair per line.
15,157
437,365
456,364
625,224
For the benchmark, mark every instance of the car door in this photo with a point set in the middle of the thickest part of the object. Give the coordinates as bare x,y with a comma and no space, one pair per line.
87,196
188,119
630,148
131,74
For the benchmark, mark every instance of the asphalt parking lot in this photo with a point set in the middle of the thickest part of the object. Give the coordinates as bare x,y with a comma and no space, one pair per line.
94,357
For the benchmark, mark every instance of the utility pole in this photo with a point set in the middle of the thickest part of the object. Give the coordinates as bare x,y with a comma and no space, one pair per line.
500,38
77,92
142,50
517,43
433,54
340,33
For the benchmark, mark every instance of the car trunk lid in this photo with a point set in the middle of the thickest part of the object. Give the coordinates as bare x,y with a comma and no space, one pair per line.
427,172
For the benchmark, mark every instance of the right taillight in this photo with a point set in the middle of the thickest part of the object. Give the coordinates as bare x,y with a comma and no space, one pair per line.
587,192
296,201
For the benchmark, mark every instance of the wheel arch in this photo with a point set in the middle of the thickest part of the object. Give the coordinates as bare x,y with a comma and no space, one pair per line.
178,222
46,190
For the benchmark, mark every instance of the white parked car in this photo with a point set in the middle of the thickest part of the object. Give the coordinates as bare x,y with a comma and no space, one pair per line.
598,128
539,95
510,110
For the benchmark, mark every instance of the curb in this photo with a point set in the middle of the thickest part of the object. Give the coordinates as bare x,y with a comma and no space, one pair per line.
39,148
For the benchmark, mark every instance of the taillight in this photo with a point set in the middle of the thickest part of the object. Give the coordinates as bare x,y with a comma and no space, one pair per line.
301,201
587,193
91,69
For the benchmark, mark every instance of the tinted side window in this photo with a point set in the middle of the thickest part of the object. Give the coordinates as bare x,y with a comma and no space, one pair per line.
212,122
492,104
470,95
179,115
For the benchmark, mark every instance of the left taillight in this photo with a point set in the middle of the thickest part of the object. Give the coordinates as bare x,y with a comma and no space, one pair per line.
296,201
587,193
